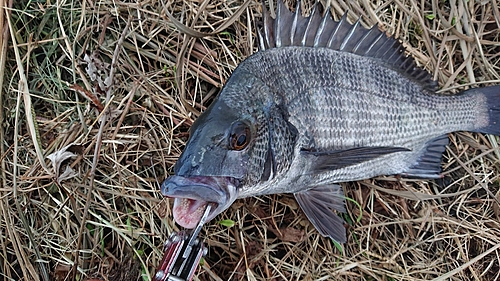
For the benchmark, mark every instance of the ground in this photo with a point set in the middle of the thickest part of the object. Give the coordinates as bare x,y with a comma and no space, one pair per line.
97,98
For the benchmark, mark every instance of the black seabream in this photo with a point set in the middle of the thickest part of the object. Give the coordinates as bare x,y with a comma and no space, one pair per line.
322,102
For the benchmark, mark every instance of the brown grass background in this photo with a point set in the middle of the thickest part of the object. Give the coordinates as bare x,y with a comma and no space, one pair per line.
105,219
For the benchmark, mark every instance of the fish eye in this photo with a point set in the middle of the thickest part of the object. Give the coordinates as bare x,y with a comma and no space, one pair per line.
239,136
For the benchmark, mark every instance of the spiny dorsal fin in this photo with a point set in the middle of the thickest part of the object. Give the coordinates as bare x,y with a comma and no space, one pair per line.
316,30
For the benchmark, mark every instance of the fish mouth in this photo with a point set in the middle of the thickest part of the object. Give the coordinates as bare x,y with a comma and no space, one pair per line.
193,194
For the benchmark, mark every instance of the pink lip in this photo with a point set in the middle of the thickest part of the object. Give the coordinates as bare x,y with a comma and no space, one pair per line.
192,194
188,212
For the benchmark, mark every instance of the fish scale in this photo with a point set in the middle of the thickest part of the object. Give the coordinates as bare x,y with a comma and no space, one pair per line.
422,114
322,102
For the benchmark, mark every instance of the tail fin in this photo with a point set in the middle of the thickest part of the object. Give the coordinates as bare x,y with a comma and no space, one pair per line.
492,95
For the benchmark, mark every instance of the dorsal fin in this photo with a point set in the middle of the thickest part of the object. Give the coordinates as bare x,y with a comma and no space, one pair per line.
316,30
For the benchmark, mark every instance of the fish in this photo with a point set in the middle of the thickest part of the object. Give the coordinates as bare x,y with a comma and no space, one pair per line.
322,102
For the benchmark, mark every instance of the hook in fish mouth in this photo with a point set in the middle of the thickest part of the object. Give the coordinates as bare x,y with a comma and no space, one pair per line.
193,194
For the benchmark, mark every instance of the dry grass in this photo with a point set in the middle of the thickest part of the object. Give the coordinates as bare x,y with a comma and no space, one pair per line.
109,220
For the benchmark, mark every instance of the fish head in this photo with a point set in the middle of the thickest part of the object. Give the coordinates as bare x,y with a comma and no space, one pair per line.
219,144
217,162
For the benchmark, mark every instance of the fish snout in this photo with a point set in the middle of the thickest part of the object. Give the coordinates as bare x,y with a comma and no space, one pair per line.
193,194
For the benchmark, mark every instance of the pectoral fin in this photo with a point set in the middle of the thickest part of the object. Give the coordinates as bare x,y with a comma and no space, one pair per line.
337,159
317,204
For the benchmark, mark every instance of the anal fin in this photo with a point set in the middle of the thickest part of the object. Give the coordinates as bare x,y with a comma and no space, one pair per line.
317,203
428,164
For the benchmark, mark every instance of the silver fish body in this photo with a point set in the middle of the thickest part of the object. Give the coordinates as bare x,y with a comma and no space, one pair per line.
323,102
337,101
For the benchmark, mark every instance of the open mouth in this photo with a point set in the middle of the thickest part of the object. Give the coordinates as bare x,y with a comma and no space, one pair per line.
188,212
193,194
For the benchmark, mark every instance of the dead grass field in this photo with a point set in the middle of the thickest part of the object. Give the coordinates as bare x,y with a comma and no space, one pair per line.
93,211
